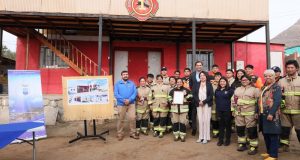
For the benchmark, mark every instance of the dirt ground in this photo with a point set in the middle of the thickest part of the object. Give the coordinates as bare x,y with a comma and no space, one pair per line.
56,147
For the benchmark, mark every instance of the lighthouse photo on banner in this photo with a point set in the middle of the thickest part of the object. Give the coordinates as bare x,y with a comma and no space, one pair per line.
26,100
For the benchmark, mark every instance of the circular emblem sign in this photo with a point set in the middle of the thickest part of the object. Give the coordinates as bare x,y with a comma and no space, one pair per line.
142,9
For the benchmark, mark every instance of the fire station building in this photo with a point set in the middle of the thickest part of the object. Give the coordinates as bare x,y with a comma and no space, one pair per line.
103,37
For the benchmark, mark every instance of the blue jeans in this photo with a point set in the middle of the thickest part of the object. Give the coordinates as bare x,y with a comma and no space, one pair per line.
272,144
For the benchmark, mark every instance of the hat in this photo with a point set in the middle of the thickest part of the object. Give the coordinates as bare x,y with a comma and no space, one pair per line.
163,69
276,69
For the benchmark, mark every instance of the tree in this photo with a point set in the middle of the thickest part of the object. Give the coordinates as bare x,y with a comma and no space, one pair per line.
7,53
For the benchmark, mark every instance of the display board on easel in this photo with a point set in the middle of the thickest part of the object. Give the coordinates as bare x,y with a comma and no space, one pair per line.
88,98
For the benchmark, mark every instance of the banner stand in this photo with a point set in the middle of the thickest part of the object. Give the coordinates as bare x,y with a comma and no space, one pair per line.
95,135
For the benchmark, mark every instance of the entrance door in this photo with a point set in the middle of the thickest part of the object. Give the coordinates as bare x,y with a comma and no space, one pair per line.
121,63
154,62
137,64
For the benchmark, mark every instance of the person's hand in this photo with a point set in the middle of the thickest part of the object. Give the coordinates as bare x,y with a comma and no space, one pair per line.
256,116
126,102
142,99
201,103
233,114
270,117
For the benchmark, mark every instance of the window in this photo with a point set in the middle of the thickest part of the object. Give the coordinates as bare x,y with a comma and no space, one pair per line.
206,56
48,59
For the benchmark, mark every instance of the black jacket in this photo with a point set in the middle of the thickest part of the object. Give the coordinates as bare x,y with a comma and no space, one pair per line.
193,82
236,84
223,99
209,94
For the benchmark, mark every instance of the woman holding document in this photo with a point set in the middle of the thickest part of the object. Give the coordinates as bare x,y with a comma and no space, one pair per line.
179,98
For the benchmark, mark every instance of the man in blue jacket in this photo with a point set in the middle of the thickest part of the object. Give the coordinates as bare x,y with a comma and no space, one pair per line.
125,93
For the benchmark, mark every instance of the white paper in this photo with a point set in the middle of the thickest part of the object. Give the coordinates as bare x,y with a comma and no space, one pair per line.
178,97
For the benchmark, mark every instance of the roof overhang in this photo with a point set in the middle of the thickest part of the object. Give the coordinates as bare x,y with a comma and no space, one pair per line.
127,28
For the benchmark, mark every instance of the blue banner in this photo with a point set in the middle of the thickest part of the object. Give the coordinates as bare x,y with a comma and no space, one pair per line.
26,100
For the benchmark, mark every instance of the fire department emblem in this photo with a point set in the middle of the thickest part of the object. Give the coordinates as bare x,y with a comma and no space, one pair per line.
142,9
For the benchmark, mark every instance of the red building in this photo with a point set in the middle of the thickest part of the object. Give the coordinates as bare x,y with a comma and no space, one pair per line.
63,41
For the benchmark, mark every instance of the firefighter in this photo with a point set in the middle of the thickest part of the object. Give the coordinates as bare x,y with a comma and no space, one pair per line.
158,98
245,113
290,109
256,81
172,83
142,108
214,118
277,71
150,83
177,74
214,69
180,111
186,78
164,74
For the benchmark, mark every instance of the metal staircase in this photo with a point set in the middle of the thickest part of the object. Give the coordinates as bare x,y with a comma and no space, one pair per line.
69,53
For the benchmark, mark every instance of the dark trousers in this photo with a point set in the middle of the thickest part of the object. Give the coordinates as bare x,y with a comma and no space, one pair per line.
224,118
192,114
272,144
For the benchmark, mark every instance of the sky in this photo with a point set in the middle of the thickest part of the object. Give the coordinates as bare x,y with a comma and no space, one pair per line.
282,15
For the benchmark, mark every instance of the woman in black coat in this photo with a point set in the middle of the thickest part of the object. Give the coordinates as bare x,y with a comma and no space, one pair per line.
223,96
203,101
269,105
237,82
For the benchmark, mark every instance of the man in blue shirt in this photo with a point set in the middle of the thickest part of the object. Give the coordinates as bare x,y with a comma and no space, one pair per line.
125,92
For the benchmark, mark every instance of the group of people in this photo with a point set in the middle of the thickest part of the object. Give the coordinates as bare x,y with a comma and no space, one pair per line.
211,101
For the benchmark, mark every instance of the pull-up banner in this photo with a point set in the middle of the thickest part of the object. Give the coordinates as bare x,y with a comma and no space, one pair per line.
26,100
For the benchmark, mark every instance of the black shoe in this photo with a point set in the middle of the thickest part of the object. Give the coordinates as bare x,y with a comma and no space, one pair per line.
242,147
252,151
194,132
155,134
220,143
227,143
215,136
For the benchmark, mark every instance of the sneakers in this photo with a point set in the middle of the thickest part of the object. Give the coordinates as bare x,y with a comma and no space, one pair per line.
241,147
252,151
204,141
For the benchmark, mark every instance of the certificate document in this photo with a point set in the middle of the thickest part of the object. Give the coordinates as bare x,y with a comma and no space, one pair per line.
178,97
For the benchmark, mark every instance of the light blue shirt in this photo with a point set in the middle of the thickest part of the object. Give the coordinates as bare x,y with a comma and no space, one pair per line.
125,90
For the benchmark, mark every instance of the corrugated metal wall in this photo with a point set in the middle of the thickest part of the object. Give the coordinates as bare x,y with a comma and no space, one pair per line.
207,9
